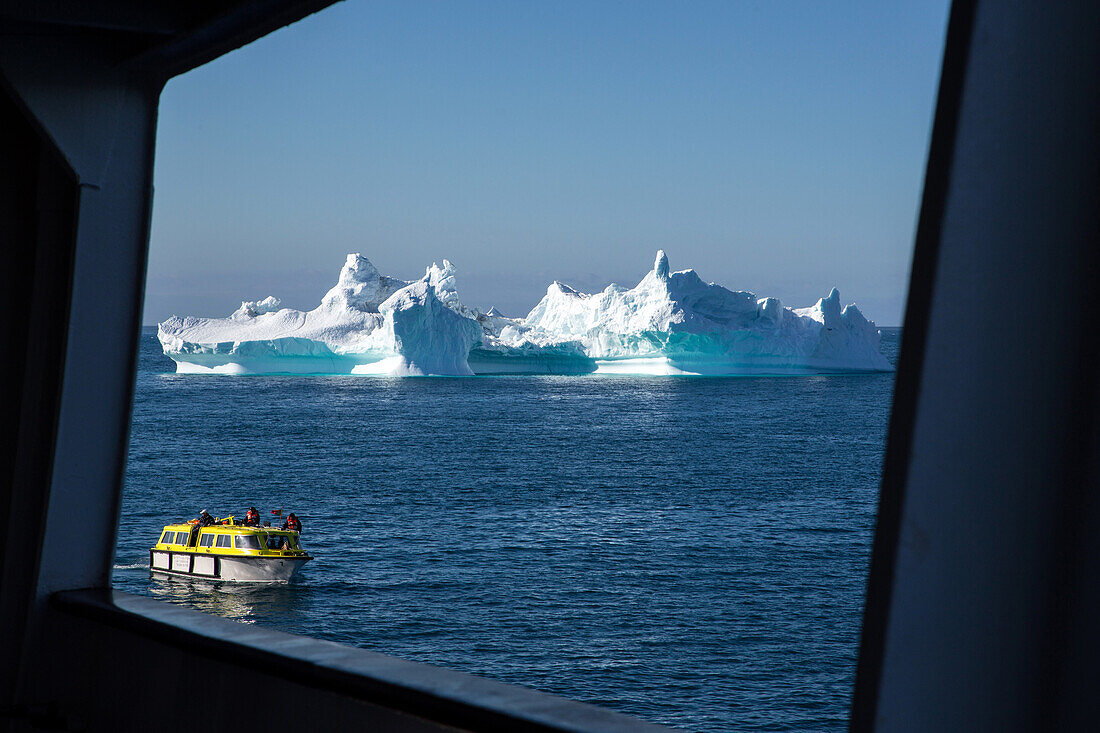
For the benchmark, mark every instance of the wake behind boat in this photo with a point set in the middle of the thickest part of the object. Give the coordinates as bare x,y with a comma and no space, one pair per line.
228,550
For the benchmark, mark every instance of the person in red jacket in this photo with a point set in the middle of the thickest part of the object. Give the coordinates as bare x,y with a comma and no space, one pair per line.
252,518
292,523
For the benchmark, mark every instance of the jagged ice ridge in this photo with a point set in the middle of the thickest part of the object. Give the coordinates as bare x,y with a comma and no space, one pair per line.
669,323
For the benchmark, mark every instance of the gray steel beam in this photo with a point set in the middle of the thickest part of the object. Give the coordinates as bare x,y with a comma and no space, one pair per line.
981,610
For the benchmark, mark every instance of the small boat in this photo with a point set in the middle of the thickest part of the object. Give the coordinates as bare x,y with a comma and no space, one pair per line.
228,550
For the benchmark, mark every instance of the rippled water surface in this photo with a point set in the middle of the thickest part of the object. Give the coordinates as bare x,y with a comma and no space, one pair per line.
691,551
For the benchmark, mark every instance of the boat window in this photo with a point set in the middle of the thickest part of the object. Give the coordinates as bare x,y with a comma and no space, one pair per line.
247,542
181,537
206,540
223,541
167,538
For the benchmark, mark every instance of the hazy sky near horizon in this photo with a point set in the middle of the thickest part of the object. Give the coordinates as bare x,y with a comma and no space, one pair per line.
777,147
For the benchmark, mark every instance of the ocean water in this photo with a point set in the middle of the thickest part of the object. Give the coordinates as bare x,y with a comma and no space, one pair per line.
691,551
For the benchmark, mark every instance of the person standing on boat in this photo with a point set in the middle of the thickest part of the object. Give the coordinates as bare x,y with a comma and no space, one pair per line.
292,523
252,518
205,520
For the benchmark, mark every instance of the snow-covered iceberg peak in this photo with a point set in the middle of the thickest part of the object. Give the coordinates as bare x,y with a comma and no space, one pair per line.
360,286
253,308
443,281
845,333
660,265
826,311
662,302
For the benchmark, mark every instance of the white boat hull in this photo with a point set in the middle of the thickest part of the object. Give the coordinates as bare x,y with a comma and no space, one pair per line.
219,567
262,570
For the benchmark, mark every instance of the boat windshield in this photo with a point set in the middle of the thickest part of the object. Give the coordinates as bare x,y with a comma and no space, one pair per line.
282,542
247,542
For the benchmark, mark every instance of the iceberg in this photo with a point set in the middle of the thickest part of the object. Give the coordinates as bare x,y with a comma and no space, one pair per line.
670,323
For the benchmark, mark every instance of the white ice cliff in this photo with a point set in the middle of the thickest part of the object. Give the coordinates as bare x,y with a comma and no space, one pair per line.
670,323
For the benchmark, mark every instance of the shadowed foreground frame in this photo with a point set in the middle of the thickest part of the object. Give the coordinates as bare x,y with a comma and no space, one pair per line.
982,593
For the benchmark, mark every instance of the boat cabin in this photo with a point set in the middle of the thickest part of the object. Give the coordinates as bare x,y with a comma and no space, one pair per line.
238,538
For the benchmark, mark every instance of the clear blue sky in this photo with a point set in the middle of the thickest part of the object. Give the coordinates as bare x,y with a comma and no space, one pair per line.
777,147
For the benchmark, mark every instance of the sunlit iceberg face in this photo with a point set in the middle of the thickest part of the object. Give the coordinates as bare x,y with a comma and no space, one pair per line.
670,323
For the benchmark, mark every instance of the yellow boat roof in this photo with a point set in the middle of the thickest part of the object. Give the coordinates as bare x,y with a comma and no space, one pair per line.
234,528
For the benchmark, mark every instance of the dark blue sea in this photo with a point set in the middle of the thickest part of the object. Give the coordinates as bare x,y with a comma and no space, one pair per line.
691,551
